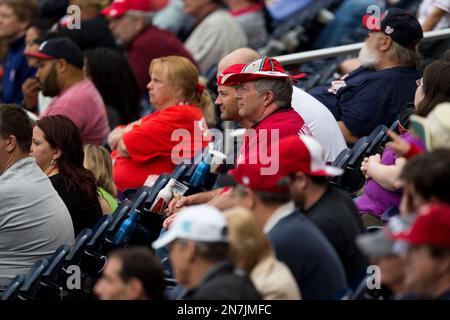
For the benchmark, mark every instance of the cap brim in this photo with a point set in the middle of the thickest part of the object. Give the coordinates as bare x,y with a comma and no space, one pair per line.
419,127
376,244
327,171
164,240
235,78
39,55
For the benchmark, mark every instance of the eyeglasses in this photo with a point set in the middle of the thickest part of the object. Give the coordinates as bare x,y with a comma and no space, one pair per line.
419,82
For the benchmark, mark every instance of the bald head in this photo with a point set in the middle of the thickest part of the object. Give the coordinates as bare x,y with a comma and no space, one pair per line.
241,56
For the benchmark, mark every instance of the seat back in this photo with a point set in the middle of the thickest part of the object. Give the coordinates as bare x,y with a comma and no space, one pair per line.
376,139
12,290
32,280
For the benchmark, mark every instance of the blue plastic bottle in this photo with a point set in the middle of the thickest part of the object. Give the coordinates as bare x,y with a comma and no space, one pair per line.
202,171
126,229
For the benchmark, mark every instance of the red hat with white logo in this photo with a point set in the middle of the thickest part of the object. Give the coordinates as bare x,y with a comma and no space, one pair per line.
235,68
119,7
264,68
432,227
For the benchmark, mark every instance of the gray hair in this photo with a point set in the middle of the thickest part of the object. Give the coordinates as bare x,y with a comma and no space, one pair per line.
211,251
405,56
281,88
147,16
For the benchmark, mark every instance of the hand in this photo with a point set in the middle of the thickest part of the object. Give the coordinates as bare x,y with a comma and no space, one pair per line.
30,89
398,144
368,163
114,137
168,221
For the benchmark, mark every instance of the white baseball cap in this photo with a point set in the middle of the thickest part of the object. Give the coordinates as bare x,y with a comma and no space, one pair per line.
199,223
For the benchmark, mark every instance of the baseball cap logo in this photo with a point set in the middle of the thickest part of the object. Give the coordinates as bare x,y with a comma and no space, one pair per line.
186,226
388,30
43,44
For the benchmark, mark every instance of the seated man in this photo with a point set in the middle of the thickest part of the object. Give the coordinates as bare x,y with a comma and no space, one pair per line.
131,274
34,221
200,255
427,256
60,75
374,93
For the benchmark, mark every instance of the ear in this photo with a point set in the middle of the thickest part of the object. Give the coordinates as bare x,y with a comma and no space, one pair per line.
385,44
269,98
61,66
135,289
57,155
190,251
302,180
11,143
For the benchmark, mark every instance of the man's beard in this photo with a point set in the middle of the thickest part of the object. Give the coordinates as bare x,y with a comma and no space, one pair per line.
50,85
369,58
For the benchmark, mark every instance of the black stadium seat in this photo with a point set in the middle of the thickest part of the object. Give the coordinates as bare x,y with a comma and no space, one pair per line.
32,280
12,290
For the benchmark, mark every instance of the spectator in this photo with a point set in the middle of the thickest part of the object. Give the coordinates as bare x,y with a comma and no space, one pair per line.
427,262
131,274
425,186
58,151
93,31
252,252
200,255
98,161
34,100
374,93
317,117
330,209
145,147
215,34
15,17
250,16
130,23
60,75
171,17
264,95
296,240
434,14
116,82
33,219
379,247
381,191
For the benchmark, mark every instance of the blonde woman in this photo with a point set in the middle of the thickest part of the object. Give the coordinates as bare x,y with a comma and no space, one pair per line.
183,109
251,251
98,161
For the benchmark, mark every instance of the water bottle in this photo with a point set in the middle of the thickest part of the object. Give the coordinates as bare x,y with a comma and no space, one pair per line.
126,229
201,172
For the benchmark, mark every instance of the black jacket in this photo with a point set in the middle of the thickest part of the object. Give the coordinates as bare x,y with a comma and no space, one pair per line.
224,282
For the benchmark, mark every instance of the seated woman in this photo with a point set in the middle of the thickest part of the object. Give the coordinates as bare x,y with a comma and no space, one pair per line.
58,150
150,145
98,161
252,252
382,191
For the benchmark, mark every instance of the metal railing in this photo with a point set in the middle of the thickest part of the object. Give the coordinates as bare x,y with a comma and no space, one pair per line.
301,57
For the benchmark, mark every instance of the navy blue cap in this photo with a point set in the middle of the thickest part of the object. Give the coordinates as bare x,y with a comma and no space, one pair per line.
59,48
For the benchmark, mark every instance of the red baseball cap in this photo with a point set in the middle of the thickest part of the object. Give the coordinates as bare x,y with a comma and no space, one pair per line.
432,227
235,68
304,154
264,68
119,7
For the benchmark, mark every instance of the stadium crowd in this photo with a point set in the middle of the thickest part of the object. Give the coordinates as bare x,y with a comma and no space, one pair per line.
159,147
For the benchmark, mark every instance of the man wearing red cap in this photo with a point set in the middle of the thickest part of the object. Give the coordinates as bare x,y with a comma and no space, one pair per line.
130,23
427,267
331,210
264,94
296,240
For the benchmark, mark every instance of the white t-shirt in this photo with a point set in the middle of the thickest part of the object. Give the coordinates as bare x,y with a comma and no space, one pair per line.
321,123
428,5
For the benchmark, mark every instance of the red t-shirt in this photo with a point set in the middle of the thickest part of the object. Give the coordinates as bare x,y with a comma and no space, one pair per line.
278,125
150,44
150,144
